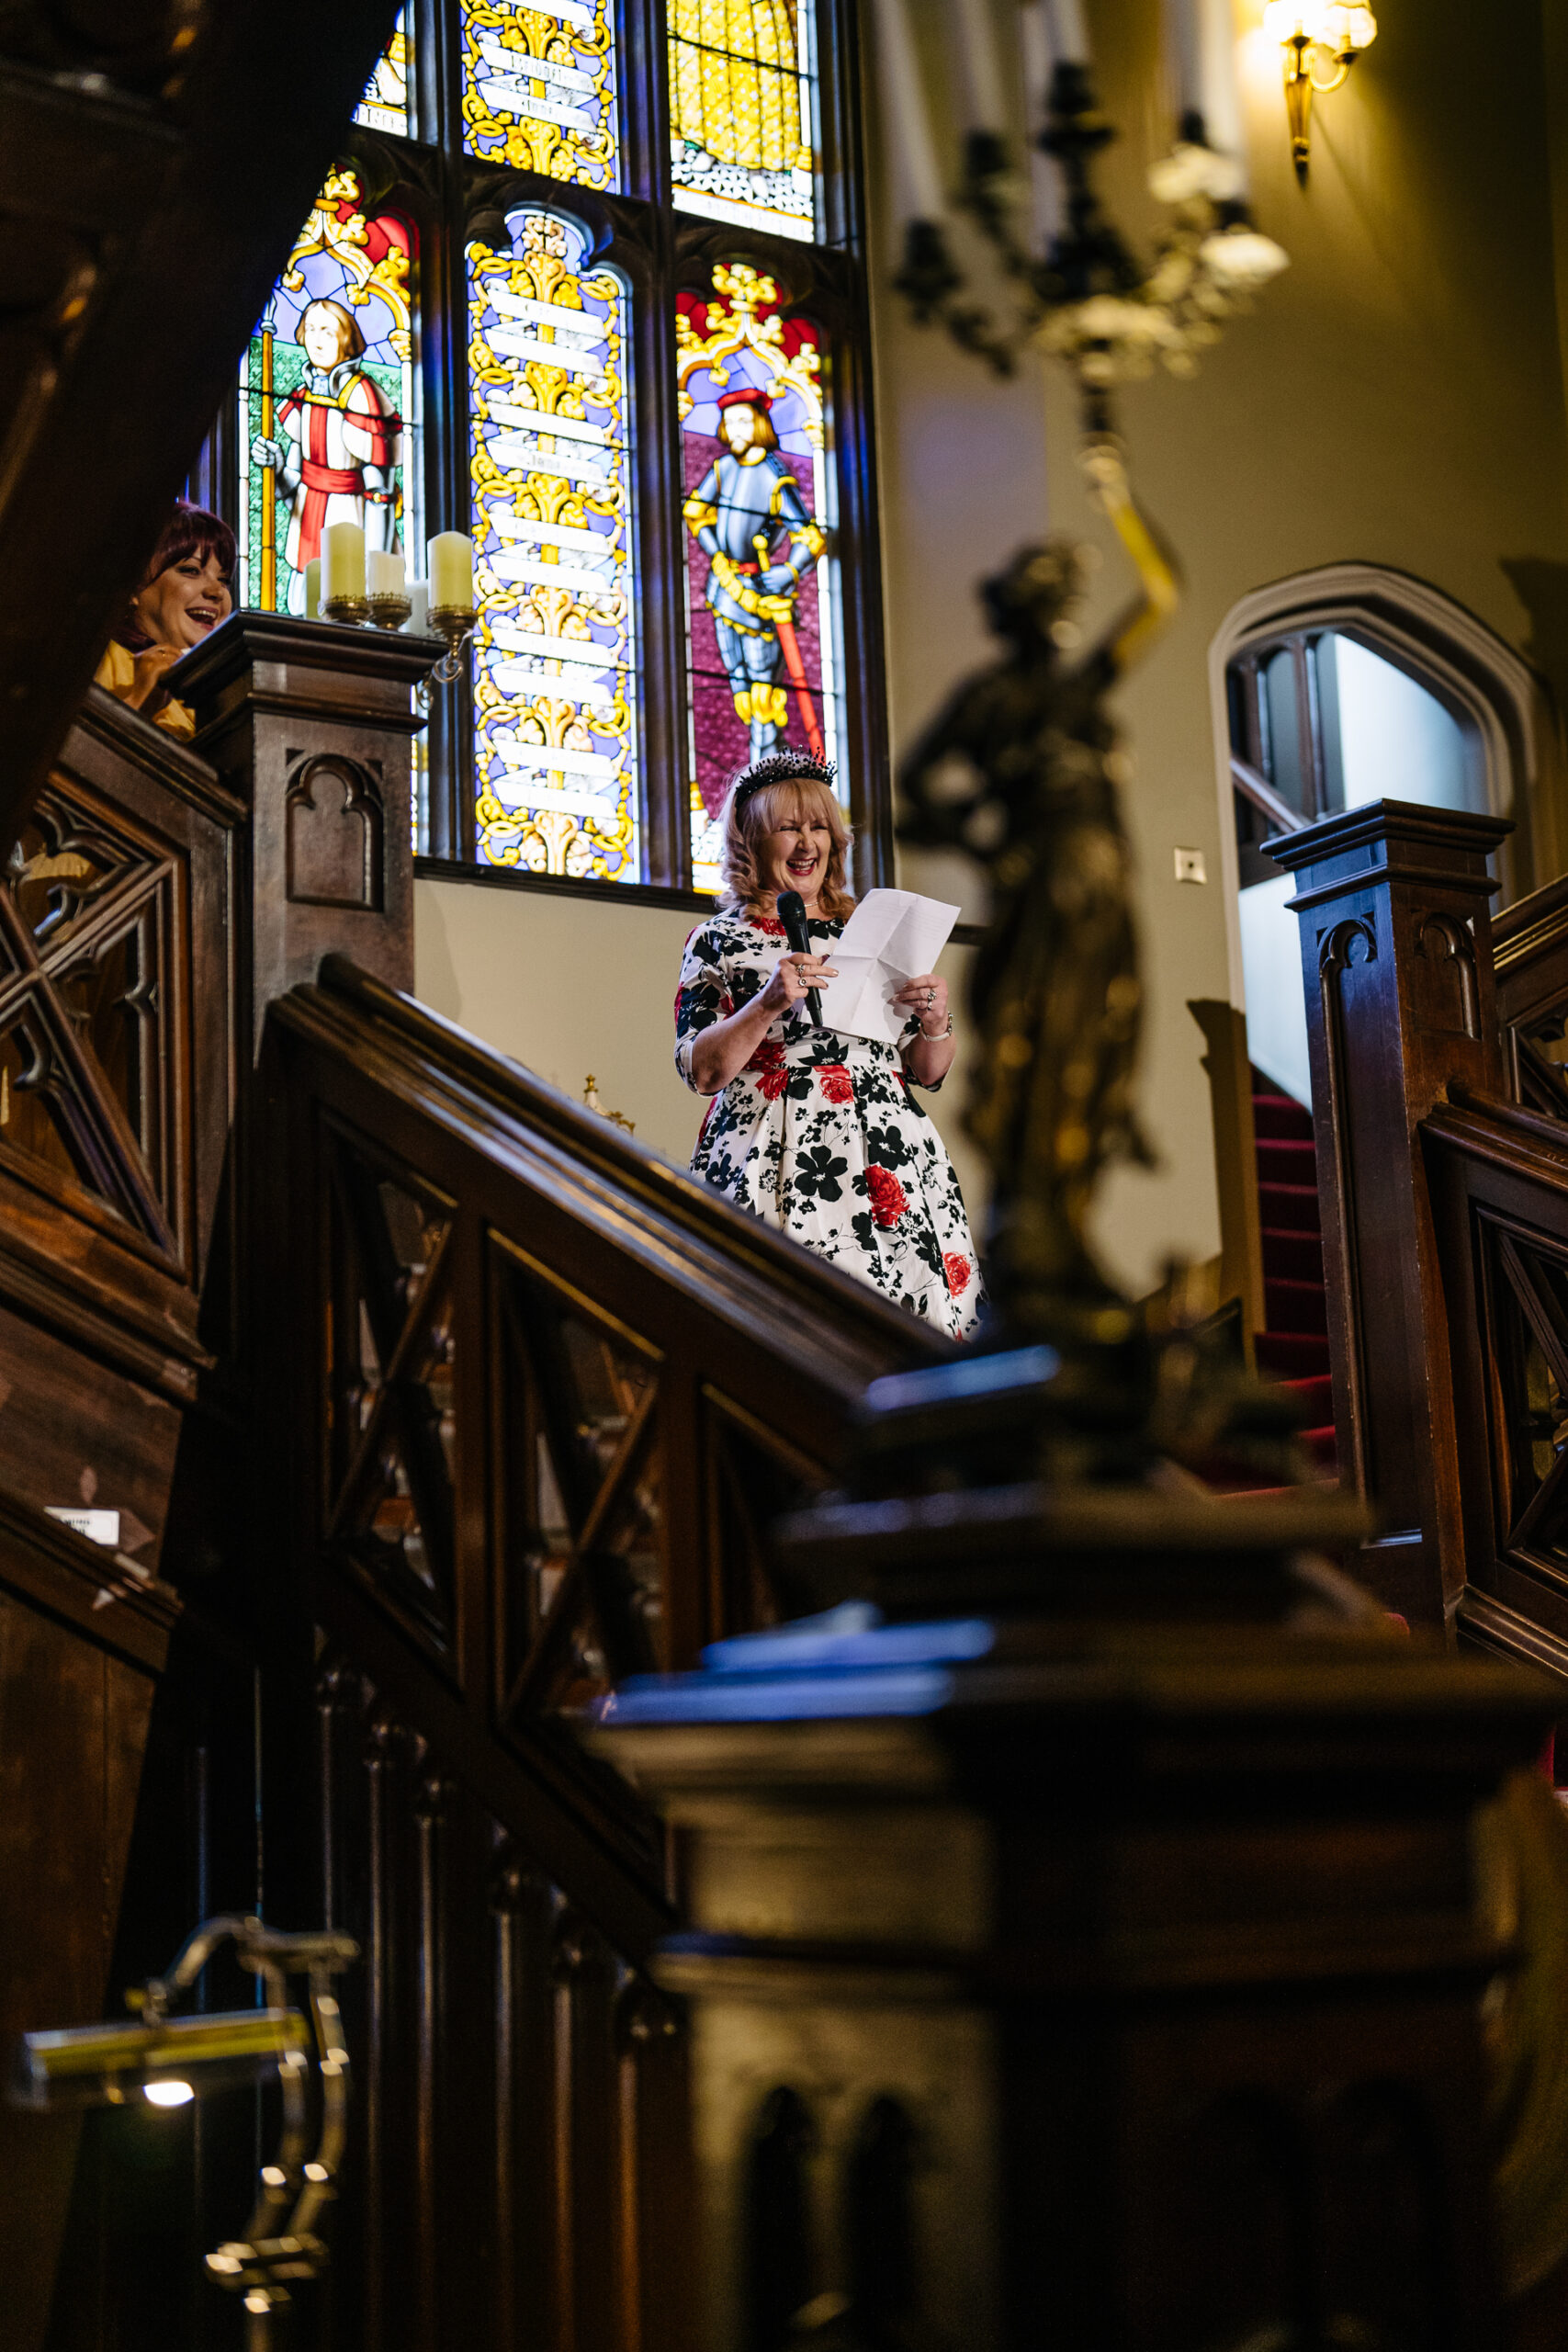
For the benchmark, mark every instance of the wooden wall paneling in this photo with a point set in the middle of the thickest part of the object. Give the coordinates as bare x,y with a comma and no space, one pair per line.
310,724
146,259
82,1649
1529,941
1397,970
1499,1178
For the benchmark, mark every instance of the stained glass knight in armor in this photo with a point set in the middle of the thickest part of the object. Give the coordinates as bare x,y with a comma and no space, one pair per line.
337,461
751,521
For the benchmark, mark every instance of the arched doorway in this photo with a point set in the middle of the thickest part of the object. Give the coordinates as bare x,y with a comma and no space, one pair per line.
1351,684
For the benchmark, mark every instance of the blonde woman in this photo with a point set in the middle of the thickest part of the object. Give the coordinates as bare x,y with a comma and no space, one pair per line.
810,1130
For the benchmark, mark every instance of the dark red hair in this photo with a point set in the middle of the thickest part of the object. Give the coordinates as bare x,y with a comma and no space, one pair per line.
190,530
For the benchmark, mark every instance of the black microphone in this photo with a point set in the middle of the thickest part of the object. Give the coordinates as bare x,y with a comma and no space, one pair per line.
792,914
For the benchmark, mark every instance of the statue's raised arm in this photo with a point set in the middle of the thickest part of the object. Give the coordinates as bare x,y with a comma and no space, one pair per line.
1151,614
1021,768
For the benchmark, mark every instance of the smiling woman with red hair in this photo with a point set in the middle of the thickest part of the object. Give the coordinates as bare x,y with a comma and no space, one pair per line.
810,1130
183,594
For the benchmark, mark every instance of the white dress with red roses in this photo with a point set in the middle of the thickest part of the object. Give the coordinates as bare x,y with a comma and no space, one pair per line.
820,1134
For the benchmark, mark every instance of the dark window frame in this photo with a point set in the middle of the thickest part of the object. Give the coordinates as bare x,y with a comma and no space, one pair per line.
451,197
1260,808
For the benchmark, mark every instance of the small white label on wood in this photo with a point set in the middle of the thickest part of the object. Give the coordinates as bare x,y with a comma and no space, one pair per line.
97,1526
1190,865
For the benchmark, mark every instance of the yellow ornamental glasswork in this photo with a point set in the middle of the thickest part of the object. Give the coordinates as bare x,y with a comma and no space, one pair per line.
387,102
742,111
555,707
539,88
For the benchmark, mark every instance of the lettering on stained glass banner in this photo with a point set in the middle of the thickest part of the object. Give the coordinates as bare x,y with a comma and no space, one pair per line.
763,656
555,733
328,398
743,110
387,102
539,87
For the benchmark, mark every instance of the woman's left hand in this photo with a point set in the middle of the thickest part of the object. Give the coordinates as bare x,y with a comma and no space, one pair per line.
926,997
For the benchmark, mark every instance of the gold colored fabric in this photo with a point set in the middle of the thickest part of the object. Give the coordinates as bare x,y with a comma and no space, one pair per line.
117,672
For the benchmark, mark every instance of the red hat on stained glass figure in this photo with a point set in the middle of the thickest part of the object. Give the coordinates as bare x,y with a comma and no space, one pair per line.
749,396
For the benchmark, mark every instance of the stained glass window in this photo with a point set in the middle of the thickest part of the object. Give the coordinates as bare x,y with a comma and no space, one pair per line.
329,399
388,101
539,87
554,753
742,111
473,332
761,580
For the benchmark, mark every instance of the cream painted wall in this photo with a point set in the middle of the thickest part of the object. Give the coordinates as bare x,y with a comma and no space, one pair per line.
1397,396
567,986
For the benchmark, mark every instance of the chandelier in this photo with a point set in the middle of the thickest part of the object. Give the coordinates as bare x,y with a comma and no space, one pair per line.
1085,299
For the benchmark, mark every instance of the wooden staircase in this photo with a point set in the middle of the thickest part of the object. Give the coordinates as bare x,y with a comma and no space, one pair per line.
456,1406
1292,1347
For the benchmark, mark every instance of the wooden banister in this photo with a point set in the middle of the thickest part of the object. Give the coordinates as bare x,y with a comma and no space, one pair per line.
627,1372
541,1394
1499,1189
1530,947
1396,968
1229,1072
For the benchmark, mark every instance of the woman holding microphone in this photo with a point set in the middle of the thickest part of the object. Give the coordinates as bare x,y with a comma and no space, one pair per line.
815,1132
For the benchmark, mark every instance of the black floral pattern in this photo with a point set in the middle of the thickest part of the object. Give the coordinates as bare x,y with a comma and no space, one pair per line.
820,1134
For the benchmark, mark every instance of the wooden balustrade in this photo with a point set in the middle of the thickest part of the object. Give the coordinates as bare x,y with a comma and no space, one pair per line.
1499,1184
1529,944
1396,967
462,1404
541,1394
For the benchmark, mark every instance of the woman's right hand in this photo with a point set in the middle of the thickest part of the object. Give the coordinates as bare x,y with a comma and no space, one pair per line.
792,975
148,673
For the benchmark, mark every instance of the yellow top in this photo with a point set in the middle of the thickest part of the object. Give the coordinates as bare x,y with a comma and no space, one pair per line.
116,671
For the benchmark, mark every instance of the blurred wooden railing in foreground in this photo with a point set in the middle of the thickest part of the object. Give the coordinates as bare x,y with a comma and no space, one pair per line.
427,1402
1441,1124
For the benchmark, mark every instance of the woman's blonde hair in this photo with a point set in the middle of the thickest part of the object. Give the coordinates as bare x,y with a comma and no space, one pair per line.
769,793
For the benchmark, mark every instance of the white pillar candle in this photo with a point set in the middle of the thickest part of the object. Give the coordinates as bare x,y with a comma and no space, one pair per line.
452,570
1219,85
418,622
1069,32
1044,179
343,563
1185,47
978,68
906,123
385,573
313,588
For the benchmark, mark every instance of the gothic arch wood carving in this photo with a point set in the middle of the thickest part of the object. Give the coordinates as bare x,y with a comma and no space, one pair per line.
335,817
1446,993
1338,954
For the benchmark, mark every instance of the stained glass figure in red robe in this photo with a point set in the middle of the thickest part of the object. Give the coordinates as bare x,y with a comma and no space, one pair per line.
337,446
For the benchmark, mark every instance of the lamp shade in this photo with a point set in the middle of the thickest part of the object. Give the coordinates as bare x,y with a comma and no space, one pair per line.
99,2065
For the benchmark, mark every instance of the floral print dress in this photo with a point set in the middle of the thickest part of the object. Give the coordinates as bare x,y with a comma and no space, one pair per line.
820,1134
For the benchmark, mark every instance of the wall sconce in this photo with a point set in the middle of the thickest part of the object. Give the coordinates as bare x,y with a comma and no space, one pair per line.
1321,42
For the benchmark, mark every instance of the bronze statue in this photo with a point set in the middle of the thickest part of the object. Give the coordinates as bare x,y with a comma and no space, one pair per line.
1056,992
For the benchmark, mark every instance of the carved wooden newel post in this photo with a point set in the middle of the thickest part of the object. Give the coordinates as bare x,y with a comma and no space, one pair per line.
312,724
1396,963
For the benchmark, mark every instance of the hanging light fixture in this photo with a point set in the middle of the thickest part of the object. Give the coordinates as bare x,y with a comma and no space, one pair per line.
1320,42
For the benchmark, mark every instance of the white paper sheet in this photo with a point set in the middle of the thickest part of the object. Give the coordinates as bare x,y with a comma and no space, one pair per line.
891,935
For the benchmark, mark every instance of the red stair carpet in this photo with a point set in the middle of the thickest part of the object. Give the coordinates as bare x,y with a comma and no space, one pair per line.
1292,1348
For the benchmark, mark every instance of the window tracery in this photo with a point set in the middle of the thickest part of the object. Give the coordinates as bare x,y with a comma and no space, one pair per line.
572,383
